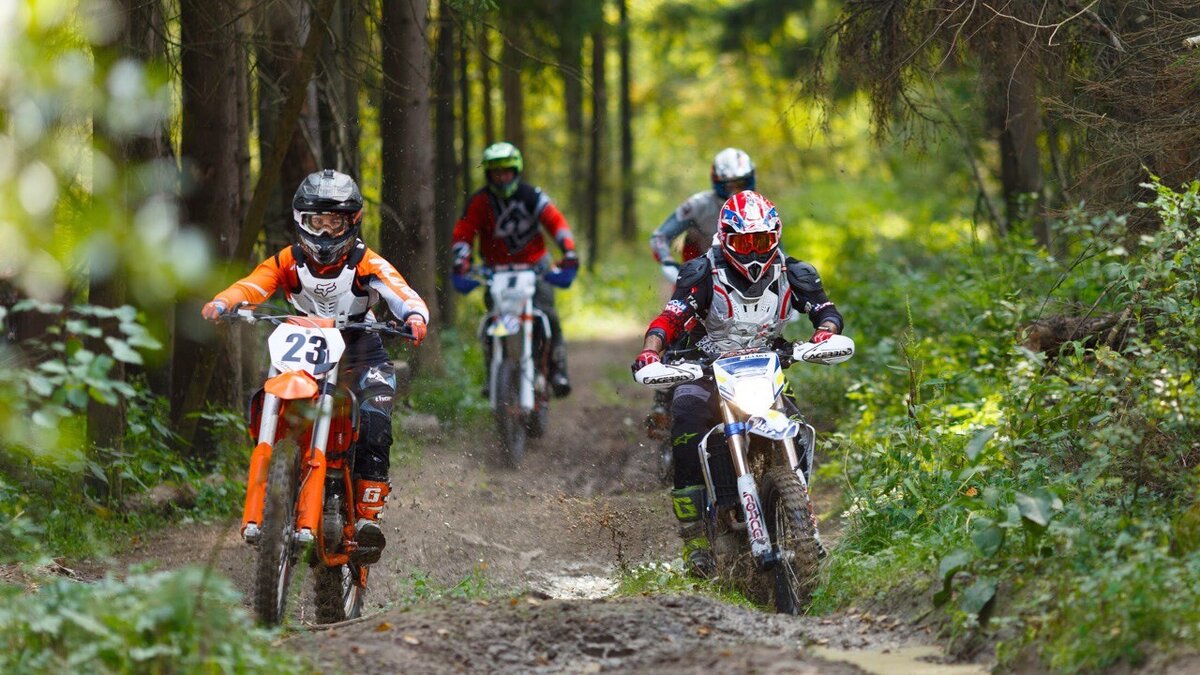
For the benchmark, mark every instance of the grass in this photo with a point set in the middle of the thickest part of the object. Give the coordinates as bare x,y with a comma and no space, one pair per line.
663,578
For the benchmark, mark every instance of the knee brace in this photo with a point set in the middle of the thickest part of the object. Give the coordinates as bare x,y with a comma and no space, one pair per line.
374,446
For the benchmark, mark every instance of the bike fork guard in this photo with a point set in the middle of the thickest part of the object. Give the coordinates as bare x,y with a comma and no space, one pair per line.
310,505
260,460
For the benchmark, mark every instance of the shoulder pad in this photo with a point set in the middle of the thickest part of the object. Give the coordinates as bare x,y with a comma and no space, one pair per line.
693,271
803,275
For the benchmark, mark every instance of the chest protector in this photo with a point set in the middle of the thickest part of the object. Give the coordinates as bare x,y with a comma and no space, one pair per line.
330,297
736,320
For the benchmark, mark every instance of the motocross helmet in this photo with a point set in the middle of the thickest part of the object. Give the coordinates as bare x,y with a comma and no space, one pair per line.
328,209
732,172
502,156
748,231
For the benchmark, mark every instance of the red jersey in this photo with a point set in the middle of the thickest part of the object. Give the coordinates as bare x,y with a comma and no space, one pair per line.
510,230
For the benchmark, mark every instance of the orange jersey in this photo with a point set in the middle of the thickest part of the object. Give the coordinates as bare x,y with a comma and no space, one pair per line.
350,288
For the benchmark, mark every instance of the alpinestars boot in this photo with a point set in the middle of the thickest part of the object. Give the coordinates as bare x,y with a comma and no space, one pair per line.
689,504
559,382
371,495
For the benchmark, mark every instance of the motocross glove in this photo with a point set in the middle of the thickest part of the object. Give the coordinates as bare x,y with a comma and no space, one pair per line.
564,275
462,258
416,326
463,283
644,359
670,270
821,335
213,310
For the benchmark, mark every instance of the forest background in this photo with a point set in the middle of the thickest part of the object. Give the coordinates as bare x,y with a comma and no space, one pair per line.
1000,197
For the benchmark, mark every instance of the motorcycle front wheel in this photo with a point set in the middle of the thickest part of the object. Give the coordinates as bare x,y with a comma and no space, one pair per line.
788,512
340,593
276,557
510,419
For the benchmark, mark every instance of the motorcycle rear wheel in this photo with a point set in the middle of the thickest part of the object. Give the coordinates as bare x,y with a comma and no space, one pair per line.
510,419
788,512
276,557
339,596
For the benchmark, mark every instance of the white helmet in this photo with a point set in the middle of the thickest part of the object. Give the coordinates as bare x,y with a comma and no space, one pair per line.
732,165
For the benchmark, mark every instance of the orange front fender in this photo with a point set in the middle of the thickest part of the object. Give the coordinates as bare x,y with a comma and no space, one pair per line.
292,385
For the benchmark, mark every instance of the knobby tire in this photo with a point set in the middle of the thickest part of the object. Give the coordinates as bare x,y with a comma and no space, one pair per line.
276,560
788,512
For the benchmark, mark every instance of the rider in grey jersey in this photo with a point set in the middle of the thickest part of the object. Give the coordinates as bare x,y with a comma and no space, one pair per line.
696,217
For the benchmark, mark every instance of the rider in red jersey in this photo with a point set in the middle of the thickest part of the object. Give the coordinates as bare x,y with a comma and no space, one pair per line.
508,216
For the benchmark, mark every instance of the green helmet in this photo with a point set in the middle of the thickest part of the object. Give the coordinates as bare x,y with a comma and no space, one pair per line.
503,156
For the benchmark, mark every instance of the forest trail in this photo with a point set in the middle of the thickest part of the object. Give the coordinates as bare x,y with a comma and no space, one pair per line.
546,541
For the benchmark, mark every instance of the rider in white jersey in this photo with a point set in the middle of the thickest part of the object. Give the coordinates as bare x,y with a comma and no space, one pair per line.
738,295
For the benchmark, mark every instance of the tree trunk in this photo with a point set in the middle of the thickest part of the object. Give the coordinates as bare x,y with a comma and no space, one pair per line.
446,185
407,236
485,77
464,120
571,60
510,83
337,92
283,27
209,56
1016,114
596,164
629,226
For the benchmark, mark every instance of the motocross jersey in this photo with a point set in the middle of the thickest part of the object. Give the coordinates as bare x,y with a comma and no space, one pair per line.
696,216
510,230
720,310
350,289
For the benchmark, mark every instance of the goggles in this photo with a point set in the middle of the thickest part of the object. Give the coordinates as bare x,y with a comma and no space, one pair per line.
751,242
326,224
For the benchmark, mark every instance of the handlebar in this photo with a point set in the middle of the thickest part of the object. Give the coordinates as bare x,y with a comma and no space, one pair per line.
248,313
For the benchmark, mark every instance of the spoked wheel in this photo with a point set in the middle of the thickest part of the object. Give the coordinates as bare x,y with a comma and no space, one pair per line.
276,559
510,419
340,592
539,419
666,462
788,512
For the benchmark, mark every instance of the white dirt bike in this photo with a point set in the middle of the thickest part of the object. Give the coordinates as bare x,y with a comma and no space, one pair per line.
519,337
761,487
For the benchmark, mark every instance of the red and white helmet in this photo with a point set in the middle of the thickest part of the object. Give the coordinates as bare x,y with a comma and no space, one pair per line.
748,231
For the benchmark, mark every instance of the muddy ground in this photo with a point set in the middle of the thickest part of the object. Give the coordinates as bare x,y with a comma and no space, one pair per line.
542,545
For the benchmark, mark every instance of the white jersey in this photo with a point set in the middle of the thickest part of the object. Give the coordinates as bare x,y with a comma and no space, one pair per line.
697,216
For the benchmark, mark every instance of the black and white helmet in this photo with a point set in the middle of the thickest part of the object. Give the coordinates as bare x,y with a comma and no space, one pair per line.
328,209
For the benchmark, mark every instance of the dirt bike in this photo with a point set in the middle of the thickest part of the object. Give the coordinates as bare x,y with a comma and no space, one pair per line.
518,337
300,488
770,450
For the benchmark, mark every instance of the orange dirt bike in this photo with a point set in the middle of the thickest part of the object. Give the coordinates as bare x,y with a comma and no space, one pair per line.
300,487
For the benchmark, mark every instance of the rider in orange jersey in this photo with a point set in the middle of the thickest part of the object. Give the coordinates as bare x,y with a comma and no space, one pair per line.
330,272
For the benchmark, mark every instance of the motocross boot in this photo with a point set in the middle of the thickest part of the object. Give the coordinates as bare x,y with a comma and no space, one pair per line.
689,504
559,382
371,495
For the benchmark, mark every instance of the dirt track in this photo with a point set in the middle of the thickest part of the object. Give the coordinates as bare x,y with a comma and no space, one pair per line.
545,542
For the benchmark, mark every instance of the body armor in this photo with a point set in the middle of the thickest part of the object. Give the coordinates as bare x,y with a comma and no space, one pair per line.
332,296
736,320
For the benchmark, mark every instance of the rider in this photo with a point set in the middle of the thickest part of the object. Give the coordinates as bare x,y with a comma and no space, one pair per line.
737,295
330,272
506,215
696,217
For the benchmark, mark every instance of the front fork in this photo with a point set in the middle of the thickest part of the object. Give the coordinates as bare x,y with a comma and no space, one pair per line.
309,504
748,500
526,394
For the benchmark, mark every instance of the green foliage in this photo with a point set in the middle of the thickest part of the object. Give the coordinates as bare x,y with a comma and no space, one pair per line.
420,587
184,621
657,578
1056,485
